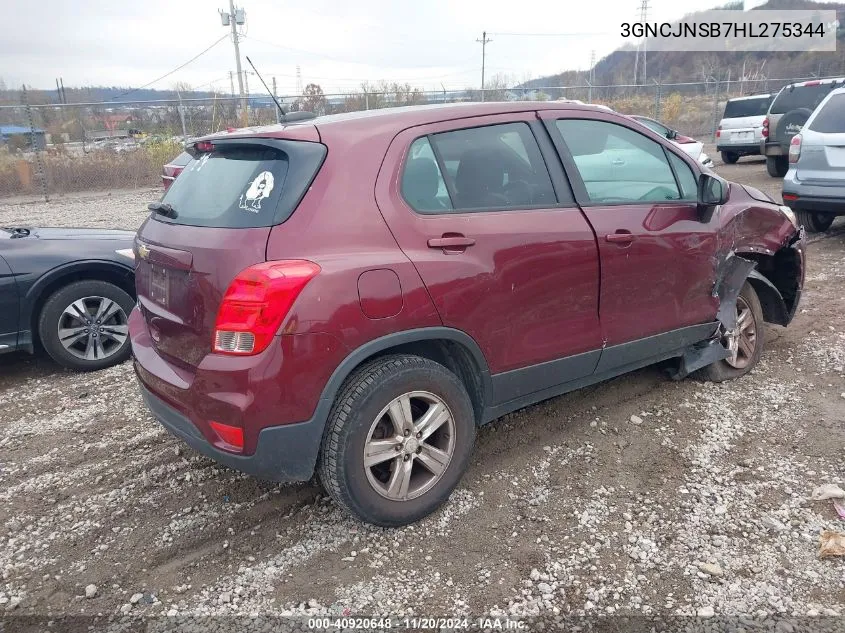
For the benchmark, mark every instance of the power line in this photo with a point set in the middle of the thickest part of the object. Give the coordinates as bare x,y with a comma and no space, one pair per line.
178,68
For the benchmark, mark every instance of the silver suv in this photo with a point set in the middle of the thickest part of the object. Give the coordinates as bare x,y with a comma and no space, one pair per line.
789,111
814,186
741,128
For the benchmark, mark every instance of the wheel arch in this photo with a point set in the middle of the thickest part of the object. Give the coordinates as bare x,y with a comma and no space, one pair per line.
452,348
91,270
777,279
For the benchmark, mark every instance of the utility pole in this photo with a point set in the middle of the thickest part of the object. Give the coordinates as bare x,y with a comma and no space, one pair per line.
484,42
278,114
643,19
592,75
234,18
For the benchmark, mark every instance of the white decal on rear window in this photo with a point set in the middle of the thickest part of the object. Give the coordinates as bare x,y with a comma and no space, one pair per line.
258,190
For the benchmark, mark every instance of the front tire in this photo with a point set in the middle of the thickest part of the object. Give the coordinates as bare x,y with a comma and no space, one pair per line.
745,343
84,326
398,439
777,166
814,222
729,158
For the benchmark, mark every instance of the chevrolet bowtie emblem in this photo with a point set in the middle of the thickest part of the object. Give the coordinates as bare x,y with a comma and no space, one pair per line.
143,251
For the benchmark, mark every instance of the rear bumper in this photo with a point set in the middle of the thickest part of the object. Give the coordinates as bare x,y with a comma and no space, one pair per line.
283,453
817,204
739,148
275,397
818,198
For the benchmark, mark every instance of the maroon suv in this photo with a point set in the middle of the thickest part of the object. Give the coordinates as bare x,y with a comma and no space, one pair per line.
356,293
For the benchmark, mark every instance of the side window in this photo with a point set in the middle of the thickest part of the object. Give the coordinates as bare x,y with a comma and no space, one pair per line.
422,183
686,177
617,164
495,167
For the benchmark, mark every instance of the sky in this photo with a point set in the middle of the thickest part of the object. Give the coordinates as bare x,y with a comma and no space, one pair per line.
430,44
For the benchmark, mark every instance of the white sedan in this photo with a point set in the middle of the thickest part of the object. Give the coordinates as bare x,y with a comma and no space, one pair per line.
690,146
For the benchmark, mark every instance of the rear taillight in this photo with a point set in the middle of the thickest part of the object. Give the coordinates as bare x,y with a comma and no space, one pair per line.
795,148
255,304
718,131
232,436
765,131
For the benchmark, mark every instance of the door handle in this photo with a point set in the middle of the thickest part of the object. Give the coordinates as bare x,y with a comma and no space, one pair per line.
451,242
620,237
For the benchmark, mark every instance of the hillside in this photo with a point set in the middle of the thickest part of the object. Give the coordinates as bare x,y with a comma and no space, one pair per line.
686,66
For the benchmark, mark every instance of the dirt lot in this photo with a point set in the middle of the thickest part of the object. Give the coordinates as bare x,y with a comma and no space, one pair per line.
570,507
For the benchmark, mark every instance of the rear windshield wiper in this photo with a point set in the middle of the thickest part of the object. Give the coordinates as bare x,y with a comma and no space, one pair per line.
162,208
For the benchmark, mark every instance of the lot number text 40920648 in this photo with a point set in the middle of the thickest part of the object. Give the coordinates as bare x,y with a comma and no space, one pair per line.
441,624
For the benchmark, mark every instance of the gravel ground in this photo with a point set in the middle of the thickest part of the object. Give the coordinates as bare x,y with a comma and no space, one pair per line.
637,496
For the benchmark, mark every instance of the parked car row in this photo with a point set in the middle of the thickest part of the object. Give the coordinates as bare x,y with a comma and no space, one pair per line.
801,132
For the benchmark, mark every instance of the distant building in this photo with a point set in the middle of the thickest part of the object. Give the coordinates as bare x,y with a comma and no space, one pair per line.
20,137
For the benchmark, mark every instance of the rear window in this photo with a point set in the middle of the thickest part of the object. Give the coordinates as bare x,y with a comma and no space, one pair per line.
244,183
800,97
831,118
739,108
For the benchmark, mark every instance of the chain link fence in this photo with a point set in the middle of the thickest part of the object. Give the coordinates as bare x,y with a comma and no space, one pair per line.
55,149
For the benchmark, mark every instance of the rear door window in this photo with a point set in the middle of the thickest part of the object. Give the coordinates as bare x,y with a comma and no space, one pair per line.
243,185
800,97
831,118
494,167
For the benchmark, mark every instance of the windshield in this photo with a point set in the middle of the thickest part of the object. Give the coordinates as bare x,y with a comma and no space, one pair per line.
739,108
243,185
800,97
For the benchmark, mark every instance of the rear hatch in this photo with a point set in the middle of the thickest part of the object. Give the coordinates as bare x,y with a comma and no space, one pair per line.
225,203
822,160
742,123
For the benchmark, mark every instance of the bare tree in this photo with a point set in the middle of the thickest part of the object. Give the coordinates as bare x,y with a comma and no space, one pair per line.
313,99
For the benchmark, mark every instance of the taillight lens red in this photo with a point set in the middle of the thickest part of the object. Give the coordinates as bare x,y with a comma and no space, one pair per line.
718,131
231,435
795,148
765,131
255,304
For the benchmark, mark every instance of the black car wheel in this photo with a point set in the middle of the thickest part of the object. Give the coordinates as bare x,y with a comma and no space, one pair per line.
744,342
398,440
814,222
84,325
777,166
729,158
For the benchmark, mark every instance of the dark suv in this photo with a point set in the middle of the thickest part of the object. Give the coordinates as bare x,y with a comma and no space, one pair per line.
787,114
356,293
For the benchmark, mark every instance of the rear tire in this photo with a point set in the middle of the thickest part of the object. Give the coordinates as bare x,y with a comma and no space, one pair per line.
814,222
750,340
112,333
364,424
729,158
777,166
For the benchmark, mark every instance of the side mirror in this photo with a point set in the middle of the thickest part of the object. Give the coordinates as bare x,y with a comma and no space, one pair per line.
672,134
712,190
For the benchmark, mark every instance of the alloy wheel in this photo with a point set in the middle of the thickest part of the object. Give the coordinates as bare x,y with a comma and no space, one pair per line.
92,328
742,342
409,446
